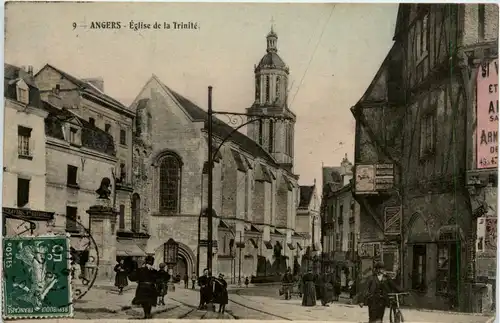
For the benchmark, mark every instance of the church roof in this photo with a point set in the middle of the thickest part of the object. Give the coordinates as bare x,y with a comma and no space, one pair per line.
221,129
271,60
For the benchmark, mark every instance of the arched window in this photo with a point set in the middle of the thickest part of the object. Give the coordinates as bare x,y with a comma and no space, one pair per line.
268,88
278,87
257,87
271,136
136,213
170,184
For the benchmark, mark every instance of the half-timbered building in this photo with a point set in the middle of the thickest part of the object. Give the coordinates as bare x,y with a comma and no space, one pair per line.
424,206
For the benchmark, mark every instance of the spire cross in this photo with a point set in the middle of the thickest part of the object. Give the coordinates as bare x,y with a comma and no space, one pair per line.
272,23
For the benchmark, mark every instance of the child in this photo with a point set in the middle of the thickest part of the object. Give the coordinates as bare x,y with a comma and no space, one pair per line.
161,283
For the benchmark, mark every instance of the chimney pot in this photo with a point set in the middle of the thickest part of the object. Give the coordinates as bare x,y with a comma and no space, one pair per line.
30,70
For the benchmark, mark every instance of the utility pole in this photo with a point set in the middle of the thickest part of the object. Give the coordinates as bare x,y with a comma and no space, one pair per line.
239,263
210,182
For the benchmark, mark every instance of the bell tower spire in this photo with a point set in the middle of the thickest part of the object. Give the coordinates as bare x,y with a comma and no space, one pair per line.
272,39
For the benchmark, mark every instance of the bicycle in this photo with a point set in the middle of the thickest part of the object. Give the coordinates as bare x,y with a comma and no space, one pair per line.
395,314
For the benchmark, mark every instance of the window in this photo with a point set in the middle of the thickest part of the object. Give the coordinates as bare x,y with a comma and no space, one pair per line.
136,213
73,132
271,136
424,34
338,240
123,173
121,219
341,214
23,192
278,87
92,121
350,243
170,182
22,92
72,175
481,20
23,141
419,268
71,217
427,135
480,244
268,88
257,88
107,127
261,130
123,137
447,268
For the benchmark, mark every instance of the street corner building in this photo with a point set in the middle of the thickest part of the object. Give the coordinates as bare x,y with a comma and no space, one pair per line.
426,155
255,191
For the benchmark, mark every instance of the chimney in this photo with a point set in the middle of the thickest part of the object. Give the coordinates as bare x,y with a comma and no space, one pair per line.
98,82
30,70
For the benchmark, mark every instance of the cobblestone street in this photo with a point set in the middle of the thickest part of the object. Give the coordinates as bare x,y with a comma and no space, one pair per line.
259,303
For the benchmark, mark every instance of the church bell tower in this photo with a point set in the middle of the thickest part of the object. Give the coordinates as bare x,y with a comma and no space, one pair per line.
271,98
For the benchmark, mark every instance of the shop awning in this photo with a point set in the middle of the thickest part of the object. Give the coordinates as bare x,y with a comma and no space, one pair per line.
129,248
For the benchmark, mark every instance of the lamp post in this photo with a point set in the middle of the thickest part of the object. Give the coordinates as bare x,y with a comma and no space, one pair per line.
240,246
236,121
171,253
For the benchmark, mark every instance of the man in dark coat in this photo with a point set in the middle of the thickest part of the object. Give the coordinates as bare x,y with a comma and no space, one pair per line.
121,280
162,283
376,295
206,283
146,293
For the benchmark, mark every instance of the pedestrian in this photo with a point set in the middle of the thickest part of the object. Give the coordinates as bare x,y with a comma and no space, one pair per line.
327,292
378,286
186,280
318,285
352,289
146,293
162,284
194,278
203,282
337,288
121,280
221,296
247,281
287,283
309,290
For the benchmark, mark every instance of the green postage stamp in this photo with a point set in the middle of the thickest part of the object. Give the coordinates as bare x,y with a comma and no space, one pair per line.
36,282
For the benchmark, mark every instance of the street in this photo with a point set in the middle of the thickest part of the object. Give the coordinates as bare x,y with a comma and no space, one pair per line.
255,303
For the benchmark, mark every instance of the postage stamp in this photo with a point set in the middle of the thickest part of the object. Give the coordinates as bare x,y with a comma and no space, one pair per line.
36,280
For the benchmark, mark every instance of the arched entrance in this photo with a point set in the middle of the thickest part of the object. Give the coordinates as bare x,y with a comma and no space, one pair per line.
185,259
181,268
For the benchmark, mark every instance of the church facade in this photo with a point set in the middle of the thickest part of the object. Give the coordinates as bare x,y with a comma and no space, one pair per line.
255,191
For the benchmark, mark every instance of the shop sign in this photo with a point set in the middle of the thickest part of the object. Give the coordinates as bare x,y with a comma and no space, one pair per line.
487,116
373,178
392,220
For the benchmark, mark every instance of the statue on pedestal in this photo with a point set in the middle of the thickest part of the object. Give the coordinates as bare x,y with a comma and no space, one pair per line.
103,191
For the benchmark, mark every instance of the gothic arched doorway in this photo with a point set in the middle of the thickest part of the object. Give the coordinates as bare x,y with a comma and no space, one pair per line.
181,268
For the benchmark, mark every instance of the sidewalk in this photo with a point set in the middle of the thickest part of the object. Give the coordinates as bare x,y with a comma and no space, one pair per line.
104,298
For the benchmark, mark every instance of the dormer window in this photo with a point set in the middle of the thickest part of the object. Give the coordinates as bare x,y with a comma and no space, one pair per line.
74,134
22,90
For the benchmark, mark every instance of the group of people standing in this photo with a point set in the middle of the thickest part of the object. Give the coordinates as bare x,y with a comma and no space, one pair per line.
213,291
324,287
151,284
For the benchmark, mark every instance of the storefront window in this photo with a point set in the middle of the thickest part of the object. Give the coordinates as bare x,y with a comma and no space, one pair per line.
447,268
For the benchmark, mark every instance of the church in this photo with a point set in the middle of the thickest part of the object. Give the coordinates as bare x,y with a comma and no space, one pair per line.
255,189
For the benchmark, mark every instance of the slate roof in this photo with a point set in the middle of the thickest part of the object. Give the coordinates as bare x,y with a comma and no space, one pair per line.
87,87
13,74
271,59
92,137
221,129
306,194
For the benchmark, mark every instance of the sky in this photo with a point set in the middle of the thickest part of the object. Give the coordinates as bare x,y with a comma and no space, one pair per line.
333,52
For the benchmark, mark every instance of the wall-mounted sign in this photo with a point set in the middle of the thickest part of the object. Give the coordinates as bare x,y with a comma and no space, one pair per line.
392,220
373,178
365,178
487,116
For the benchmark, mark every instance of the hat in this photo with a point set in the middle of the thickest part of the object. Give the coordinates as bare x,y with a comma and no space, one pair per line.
221,275
150,260
162,265
379,265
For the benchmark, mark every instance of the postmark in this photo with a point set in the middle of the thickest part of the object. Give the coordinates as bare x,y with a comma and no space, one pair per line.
36,280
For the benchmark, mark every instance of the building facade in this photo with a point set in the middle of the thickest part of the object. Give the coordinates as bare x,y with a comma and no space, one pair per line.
411,157
102,129
255,192
340,218
23,155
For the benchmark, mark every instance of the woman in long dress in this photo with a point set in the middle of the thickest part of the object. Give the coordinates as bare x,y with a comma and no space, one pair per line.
309,290
146,293
121,280
221,296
